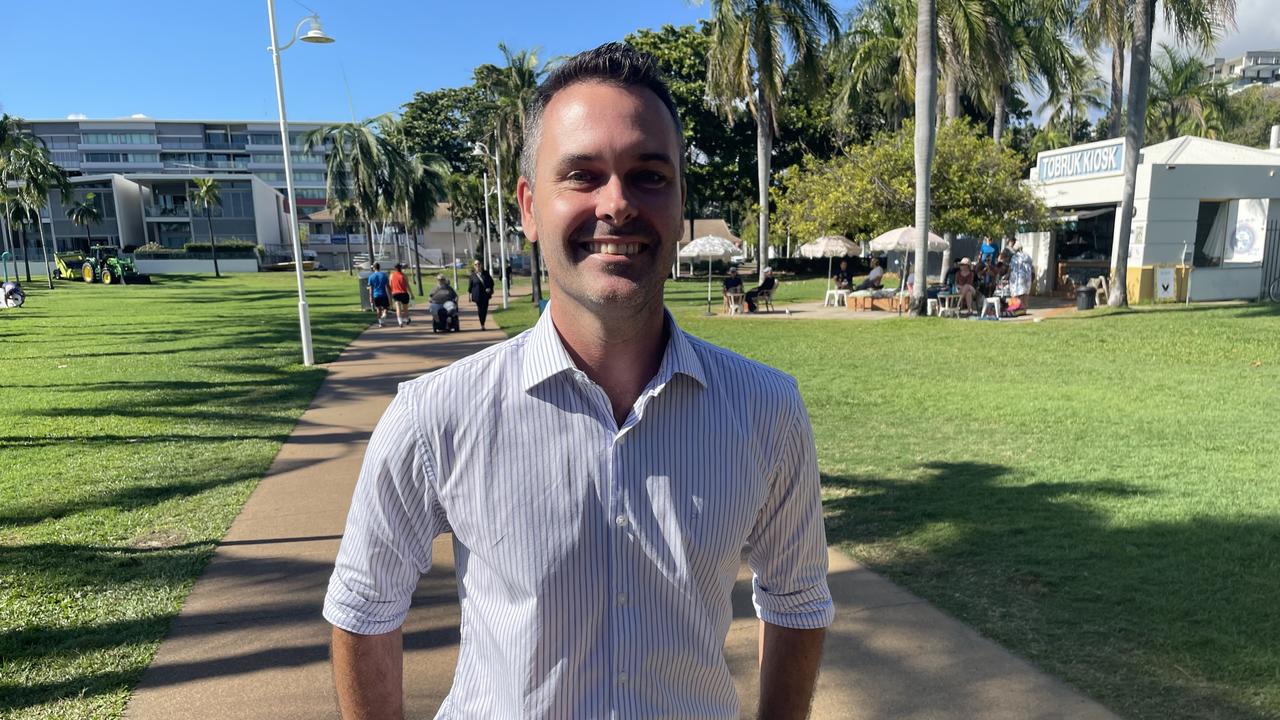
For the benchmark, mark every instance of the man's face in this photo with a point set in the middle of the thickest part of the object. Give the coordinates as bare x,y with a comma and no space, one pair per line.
607,205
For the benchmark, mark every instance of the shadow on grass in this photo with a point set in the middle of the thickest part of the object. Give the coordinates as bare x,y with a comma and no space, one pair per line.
291,605
1155,619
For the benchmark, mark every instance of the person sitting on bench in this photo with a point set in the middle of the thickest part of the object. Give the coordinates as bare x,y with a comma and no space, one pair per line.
765,288
874,280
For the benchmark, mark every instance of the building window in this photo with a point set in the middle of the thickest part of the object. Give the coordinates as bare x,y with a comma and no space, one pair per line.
105,157
119,138
309,193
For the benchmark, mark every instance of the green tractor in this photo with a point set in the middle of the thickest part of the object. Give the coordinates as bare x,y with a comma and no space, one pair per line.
104,264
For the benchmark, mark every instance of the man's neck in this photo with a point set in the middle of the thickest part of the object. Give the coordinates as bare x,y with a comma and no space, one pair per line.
621,357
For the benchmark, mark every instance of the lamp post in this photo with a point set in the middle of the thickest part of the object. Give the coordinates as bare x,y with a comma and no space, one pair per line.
314,35
502,221
488,252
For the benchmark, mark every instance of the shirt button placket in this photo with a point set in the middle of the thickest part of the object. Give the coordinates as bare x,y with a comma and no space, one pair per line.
619,577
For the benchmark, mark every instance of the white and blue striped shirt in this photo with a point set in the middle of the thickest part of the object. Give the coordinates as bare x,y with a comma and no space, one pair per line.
594,562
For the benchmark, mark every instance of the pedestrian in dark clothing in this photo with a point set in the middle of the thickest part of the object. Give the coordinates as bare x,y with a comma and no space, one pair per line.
480,288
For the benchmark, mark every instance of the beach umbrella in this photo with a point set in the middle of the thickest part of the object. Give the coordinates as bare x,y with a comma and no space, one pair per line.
903,239
829,247
709,248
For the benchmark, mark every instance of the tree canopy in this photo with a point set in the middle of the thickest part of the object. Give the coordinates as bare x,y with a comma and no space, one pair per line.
977,188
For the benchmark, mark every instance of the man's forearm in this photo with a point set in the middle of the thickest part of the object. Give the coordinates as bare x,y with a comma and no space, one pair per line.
367,671
789,662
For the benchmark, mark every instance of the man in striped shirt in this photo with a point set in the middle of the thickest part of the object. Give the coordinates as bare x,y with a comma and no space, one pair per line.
605,474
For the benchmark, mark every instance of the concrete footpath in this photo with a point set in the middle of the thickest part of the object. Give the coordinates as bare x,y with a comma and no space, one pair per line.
250,642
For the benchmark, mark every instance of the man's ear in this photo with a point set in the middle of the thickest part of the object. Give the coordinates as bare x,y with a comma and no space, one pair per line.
524,196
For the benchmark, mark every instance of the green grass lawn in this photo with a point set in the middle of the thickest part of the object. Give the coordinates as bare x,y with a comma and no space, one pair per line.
137,421
1099,493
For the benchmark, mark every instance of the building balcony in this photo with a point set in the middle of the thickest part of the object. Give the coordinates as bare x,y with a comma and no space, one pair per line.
121,167
207,165
166,212
120,147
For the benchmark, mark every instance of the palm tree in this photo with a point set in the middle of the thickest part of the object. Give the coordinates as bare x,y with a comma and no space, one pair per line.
926,97
1197,21
511,90
206,196
344,216
1181,100
748,61
365,167
1031,47
9,139
1081,91
1109,22
86,214
37,176
419,198
879,52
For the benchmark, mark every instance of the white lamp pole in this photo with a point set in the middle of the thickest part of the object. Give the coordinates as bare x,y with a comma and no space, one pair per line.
502,221
481,149
314,35
488,253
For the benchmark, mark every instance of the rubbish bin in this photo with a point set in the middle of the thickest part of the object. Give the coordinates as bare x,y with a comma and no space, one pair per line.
1086,298
363,280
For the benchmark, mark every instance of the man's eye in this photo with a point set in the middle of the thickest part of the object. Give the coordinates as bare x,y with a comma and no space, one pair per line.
578,176
651,178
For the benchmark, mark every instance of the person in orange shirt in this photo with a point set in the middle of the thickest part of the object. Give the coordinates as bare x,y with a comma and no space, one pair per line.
401,294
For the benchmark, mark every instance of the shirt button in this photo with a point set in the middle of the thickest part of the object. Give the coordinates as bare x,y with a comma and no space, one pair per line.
622,678
622,598
621,520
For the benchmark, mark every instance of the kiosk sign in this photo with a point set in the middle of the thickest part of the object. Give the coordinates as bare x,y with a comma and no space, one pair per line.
1092,161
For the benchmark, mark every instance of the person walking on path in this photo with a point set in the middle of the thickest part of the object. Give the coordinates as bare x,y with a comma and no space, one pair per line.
596,543
480,288
379,292
401,295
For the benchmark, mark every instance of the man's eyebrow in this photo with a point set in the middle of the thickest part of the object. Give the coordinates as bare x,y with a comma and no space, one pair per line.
571,159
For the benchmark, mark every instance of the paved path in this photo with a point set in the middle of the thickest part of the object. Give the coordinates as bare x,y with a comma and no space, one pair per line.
250,642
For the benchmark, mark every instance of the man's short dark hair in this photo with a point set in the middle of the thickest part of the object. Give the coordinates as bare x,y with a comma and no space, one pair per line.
377,266
613,63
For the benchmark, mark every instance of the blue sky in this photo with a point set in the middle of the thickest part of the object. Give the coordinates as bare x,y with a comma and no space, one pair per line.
188,60
113,58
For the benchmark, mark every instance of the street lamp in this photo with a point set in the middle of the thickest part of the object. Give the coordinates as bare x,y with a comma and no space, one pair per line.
481,149
488,253
314,35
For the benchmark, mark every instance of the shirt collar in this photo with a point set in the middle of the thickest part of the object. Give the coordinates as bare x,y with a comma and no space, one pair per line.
545,355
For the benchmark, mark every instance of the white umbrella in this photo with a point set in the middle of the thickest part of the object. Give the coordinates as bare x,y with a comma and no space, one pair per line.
903,239
829,247
709,247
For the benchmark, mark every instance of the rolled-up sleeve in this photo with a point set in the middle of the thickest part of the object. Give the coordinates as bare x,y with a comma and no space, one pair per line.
789,542
394,516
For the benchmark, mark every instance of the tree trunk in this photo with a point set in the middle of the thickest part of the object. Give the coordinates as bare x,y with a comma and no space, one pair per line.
926,96
1144,19
764,153
350,265
953,95
44,250
453,250
213,244
1116,112
26,252
535,263
88,239
997,126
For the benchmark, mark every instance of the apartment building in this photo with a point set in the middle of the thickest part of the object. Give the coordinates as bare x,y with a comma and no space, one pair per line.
1255,67
186,147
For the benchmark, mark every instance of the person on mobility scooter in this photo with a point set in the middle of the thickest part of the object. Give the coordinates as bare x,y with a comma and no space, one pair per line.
444,307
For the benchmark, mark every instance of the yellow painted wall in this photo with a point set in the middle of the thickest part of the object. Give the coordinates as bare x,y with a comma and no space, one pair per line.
1141,283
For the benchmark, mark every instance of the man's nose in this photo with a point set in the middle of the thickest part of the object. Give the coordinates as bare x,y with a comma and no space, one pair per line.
613,204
